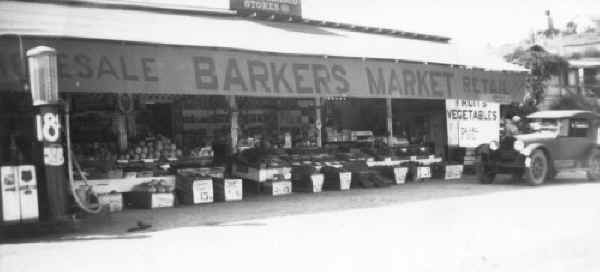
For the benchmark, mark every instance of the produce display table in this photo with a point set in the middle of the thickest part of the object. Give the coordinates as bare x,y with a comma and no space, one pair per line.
122,185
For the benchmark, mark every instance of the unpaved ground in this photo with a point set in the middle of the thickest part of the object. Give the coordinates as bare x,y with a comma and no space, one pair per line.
435,226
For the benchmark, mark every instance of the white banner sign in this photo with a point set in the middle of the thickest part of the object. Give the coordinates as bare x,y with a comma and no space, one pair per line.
472,122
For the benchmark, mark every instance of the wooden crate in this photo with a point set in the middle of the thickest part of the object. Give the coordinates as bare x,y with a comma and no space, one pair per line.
114,202
276,188
228,189
148,200
453,171
336,179
194,190
311,183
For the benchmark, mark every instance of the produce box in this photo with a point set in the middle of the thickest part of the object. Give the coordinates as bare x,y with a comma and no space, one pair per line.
276,188
422,172
398,174
194,190
148,200
311,183
114,202
260,174
362,179
228,189
213,172
340,181
453,171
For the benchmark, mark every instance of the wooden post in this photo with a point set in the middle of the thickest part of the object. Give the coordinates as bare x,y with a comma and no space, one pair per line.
234,123
580,81
390,129
318,124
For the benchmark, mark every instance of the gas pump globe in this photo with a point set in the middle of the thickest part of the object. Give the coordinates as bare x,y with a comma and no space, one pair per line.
43,75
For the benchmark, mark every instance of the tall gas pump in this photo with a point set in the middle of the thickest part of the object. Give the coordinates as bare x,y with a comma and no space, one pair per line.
47,109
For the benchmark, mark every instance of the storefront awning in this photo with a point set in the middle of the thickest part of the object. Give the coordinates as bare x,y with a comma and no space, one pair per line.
57,20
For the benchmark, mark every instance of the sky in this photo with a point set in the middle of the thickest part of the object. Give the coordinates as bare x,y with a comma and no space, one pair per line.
472,24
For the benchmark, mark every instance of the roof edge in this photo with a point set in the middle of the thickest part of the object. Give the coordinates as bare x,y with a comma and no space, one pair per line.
199,10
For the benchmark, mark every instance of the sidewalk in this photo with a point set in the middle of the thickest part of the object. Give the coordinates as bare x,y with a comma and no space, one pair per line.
264,206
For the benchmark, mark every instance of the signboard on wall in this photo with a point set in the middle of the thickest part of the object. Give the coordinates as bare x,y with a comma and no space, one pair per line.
277,7
472,122
102,66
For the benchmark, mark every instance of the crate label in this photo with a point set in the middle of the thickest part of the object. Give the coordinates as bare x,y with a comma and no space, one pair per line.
400,174
203,191
113,201
453,171
345,180
162,200
317,182
233,189
282,188
423,172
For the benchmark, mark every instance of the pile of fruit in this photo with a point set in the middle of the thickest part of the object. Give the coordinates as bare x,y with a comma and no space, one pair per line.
157,148
155,186
95,151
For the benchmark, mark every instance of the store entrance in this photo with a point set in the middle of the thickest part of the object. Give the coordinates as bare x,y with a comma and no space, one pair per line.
421,122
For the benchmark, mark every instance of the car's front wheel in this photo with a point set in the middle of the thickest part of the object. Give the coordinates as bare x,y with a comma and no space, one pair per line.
593,172
538,169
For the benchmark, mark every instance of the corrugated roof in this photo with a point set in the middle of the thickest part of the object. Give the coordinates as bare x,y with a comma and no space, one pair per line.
557,114
57,20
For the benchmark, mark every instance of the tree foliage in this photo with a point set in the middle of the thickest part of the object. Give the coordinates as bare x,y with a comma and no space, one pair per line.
543,65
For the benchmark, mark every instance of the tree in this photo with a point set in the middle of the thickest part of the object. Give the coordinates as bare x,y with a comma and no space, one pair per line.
543,65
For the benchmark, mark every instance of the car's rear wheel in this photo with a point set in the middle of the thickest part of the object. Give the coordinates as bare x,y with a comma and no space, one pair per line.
484,176
593,172
537,172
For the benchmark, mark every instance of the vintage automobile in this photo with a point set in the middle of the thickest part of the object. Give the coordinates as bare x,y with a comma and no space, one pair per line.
554,141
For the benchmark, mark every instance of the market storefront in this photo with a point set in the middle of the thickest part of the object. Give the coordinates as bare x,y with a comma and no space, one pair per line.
215,123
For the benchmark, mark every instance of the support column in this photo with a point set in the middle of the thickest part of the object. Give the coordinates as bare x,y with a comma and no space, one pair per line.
318,123
234,123
580,80
390,131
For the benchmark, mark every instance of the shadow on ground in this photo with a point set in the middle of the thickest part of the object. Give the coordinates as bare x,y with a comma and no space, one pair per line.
245,213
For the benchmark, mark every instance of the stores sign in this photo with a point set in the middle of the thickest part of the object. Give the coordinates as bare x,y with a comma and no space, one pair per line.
278,7
472,122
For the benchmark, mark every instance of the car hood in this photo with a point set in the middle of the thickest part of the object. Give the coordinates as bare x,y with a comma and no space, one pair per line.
536,137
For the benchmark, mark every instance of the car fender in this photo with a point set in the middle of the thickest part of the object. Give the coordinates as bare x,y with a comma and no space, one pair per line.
530,148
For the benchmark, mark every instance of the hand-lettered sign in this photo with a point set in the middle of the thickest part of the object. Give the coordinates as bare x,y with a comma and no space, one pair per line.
472,122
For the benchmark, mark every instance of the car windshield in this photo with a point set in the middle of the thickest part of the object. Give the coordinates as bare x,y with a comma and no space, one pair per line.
543,125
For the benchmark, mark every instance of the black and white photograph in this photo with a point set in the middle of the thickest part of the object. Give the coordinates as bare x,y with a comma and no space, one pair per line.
299,135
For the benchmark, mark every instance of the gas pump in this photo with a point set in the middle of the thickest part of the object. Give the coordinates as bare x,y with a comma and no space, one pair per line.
47,107
19,183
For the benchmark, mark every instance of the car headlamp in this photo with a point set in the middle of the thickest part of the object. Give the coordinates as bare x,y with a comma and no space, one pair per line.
519,145
494,145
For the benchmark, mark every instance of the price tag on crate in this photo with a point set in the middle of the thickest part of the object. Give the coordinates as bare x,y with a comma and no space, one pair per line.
203,191
282,188
345,180
423,172
233,189
453,171
400,174
317,182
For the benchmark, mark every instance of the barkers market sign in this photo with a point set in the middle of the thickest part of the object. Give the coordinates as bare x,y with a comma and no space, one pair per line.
94,66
